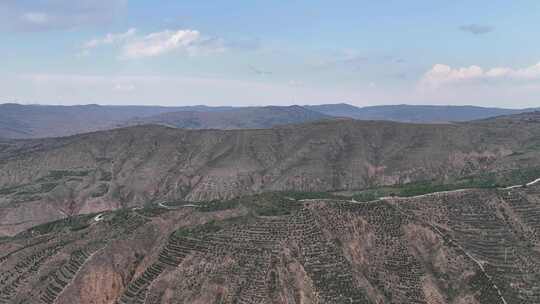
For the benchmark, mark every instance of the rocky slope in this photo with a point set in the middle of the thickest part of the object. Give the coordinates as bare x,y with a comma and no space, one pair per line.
44,180
472,246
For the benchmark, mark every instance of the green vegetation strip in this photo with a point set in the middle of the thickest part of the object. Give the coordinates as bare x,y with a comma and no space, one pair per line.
74,223
55,175
212,226
484,181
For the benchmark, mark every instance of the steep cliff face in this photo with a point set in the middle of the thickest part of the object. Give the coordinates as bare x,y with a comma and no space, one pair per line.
473,246
44,180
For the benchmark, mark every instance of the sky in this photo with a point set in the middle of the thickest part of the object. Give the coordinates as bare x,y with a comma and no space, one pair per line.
280,52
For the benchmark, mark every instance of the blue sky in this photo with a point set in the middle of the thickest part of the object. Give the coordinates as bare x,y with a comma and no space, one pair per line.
270,52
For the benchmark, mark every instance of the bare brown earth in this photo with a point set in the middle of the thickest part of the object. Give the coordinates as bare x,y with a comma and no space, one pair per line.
49,179
472,246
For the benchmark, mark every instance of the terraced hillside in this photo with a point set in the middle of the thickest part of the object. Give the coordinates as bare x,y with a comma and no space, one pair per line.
49,179
466,246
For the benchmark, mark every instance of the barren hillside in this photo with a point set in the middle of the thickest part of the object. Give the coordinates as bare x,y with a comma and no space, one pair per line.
44,180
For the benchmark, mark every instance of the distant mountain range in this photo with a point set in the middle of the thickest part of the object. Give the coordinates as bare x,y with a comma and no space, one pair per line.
415,113
37,121
239,118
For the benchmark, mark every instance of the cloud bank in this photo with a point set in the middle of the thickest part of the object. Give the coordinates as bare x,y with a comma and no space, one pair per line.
163,90
187,90
442,75
498,86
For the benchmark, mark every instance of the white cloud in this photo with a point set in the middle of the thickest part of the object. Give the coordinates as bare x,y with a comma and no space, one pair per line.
35,17
133,46
43,15
110,38
188,41
296,83
441,74
476,29
346,58
498,86
124,87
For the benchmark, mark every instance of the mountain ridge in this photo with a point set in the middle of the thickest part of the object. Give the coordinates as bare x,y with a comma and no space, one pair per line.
240,118
133,166
38,121
417,113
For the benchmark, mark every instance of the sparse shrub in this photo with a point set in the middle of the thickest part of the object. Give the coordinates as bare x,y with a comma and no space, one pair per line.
210,227
73,223
105,176
101,190
152,211
9,190
55,175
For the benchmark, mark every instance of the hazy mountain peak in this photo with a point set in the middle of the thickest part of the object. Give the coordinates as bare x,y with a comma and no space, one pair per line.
23,121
